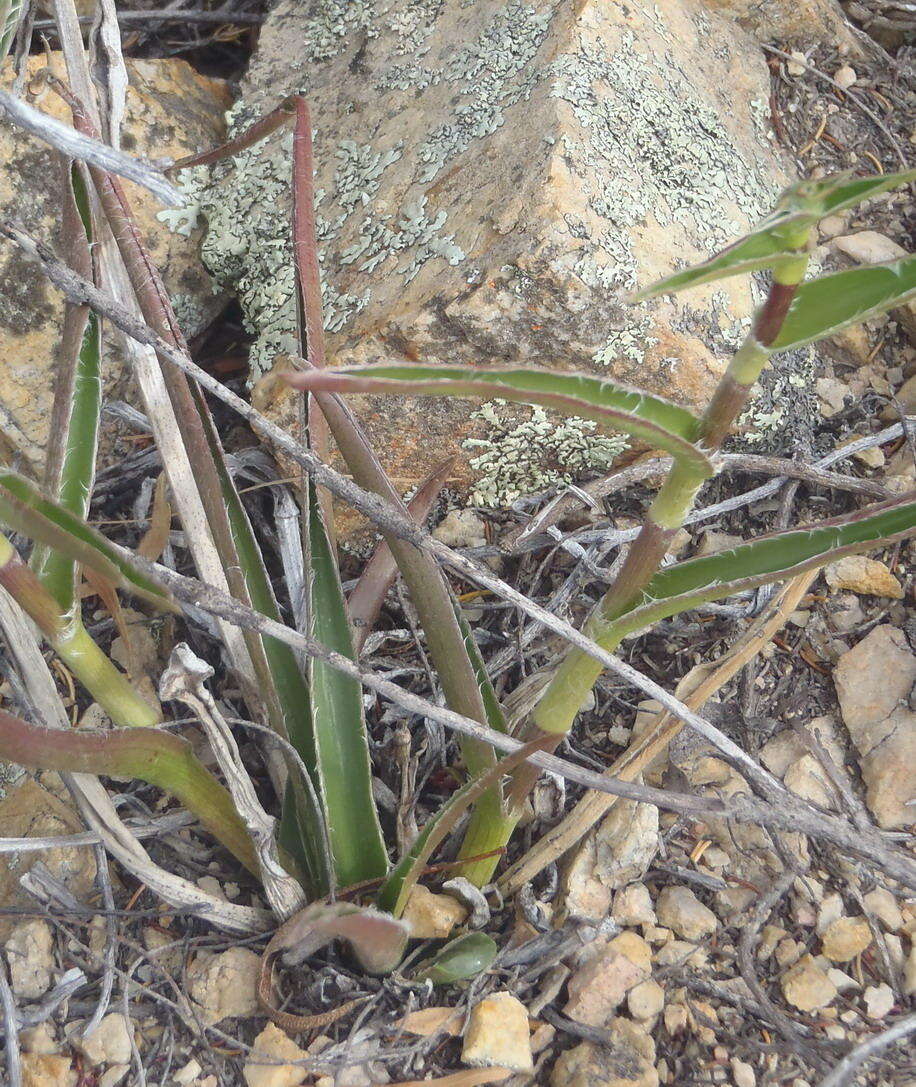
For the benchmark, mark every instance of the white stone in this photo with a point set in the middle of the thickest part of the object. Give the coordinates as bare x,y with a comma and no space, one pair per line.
884,906
860,574
633,905
909,973
461,528
646,1000
39,1039
114,1076
432,916
109,1043
600,986
797,65
30,954
224,985
844,77
869,247
273,1045
879,1000
743,1073
187,1073
679,909
845,938
806,986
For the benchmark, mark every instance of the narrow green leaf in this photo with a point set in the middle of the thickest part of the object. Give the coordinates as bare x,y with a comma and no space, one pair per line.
10,14
393,893
781,234
649,418
24,509
826,305
462,958
340,729
770,558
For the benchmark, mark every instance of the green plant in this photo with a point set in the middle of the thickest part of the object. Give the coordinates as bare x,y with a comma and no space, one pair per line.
329,827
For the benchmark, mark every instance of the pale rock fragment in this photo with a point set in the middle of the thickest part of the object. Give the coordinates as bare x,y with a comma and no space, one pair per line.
860,574
225,985
39,1039
30,954
808,779
629,1060
869,247
461,528
114,1076
432,916
873,682
743,1073
109,1043
844,77
884,906
187,1073
879,1000
498,1034
633,905
845,938
646,1000
679,909
909,973
273,1045
806,987
598,987
48,1070
831,393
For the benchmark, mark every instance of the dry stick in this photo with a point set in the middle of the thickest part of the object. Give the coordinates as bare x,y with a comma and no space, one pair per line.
844,1073
390,519
10,1024
86,148
593,806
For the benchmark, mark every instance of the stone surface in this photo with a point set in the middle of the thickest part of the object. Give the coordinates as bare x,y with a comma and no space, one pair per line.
845,938
879,1000
789,20
598,987
873,681
679,909
869,247
225,984
808,779
109,1043
28,810
785,748
806,986
909,973
432,916
497,1034
494,181
743,1073
616,852
171,111
884,906
629,1061
461,528
646,1000
860,574
42,1070
273,1045
30,954
633,906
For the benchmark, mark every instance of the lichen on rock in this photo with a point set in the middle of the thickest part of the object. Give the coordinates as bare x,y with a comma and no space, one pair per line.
493,179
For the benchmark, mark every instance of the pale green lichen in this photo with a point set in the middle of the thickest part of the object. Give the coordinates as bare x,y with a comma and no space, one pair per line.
518,457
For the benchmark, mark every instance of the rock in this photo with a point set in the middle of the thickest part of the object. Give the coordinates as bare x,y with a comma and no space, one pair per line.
681,953
598,987
225,984
743,1073
30,811
860,574
909,973
831,394
845,613
109,1043
869,247
273,1045
879,1000
171,111
629,1061
786,748
798,64
844,77
843,982
616,852
845,938
646,1000
679,909
432,916
808,779
498,1035
633,906
114,1075
467,214
713,541
187,1073
872,679
39,1039
789,20
806,986
30,954
42,1070
461,528
884,906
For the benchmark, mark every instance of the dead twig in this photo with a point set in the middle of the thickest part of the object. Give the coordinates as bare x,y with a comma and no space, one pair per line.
845,1071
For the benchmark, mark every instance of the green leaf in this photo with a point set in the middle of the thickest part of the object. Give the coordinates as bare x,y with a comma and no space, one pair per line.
649,418
24,509
823,306
782,234
461,958
10,14
393,893
770,558
340,729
